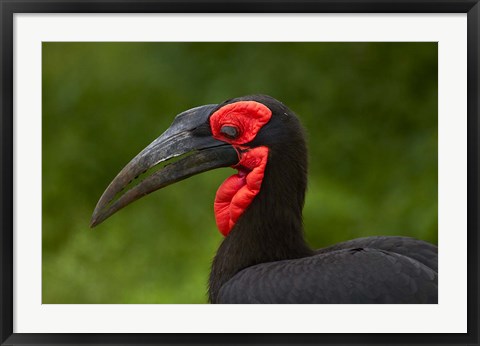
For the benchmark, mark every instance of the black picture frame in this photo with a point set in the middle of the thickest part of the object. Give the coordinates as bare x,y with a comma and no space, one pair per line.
10,7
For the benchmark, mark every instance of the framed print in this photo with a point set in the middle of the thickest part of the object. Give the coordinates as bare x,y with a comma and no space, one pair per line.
350,215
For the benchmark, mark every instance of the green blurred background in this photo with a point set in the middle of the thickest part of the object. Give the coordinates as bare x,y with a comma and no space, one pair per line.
370,110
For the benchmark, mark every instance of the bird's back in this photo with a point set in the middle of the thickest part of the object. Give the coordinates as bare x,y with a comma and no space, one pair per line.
372,270
419,250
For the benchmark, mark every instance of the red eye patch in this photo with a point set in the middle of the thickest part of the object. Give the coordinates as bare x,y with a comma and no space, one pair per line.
247,117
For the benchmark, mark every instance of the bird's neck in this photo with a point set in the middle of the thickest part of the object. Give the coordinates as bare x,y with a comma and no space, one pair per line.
269,230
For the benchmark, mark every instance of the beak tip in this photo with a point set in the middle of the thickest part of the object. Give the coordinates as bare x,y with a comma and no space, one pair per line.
93,223
95,220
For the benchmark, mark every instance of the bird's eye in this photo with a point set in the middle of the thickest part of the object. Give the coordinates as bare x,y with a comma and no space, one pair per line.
229,131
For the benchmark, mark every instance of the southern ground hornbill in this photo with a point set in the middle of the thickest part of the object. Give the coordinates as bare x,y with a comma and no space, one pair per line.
264,257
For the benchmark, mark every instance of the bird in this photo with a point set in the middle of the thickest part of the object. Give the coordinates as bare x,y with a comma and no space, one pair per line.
264,257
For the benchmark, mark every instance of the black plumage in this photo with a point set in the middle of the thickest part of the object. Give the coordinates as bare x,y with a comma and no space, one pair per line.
347,273
265,258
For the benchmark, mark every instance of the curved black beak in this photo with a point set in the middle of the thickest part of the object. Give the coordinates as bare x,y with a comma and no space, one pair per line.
189,135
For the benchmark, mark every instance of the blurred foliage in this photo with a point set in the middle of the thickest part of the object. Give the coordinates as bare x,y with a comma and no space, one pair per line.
370,110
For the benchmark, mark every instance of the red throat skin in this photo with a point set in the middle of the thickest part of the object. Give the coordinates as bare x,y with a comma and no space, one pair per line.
238,191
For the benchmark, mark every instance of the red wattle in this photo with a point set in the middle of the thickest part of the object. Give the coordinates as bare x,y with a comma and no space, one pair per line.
238,191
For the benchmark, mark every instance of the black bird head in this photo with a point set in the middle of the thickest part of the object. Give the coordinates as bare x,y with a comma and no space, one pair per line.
257,135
